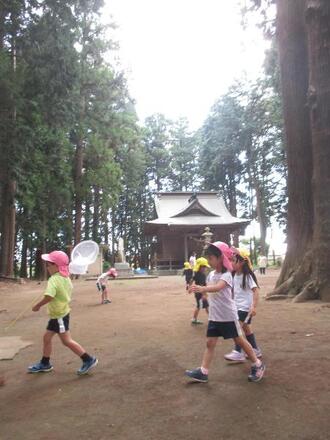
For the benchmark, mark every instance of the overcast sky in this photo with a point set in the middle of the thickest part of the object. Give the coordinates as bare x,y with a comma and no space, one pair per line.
181,55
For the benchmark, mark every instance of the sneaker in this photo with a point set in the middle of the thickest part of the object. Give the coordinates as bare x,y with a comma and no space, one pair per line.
257,373
107,301
88,365
197,375
40,368
235,356
196,322
258,353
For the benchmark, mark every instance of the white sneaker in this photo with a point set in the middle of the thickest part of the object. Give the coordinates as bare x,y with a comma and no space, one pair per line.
235,356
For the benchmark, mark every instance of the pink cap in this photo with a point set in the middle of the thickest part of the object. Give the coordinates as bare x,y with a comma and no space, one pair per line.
226,252
60,259
112,272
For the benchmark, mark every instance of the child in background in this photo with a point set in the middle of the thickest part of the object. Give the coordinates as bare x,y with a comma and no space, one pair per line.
58,297
101,284
199,278
223,319
188,273
192,260
246,294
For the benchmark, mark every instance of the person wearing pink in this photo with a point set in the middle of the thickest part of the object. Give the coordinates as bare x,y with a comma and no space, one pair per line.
57,297
223,317
101,284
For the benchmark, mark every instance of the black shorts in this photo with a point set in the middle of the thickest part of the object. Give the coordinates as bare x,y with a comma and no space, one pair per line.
60,325
242,315
201,303
226,330
100,287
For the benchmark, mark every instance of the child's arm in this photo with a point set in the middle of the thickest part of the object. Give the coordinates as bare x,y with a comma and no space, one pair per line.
253,308
46,299
210,288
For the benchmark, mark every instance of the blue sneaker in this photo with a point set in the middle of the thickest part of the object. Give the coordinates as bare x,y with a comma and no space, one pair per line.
197,375
88,365
257,373
40,368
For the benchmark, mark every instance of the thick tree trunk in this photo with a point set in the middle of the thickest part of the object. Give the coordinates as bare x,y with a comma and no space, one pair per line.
8,214
8,208
318,27
291,33
23,268
305,73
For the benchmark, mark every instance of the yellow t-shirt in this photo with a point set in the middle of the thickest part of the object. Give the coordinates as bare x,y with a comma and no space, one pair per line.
60,289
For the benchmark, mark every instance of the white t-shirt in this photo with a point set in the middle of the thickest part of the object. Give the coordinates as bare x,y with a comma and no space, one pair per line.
243,297
222,307
103,278
262,261
192,261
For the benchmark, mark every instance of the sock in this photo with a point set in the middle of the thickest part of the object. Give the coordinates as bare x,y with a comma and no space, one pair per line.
237,348
258,363
204,370
252,340
45,360
85,357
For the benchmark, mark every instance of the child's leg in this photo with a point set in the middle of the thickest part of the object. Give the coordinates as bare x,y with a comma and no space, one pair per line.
88,361
257,368
103,294
47,343
70,343
238,347
195,315
250,335
44,364
209,353
246,346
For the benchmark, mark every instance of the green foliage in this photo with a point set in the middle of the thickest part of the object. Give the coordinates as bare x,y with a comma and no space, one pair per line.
69,137
183,174
242,152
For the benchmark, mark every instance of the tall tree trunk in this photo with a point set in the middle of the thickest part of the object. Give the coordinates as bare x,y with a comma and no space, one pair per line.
23,268
293,59
87,218
78,172
8,209
305,72
262,219
8,214
318,27
96,214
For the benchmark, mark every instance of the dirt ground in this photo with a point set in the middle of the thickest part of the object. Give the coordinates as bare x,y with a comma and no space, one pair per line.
144,342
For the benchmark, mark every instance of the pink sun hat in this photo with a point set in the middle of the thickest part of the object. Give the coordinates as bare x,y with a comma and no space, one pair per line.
227,253
112,272
60,259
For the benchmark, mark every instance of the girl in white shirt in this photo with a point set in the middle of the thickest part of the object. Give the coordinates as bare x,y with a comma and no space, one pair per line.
223,318
101,284
246,294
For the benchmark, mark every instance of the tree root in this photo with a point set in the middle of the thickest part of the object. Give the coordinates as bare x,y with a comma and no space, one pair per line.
309,292
282,290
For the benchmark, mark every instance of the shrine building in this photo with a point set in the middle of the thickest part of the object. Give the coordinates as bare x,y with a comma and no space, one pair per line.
179,228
